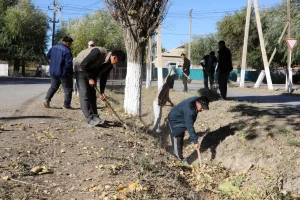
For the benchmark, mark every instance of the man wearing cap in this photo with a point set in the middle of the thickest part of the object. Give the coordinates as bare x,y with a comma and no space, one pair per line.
92,63
181,118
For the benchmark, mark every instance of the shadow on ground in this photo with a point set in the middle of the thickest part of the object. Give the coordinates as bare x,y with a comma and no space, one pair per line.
273,99
26,117
19,81
211,141
290,114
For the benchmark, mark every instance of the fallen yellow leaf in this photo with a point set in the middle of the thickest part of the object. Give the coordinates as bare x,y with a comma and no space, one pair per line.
122,190
132,186
6,178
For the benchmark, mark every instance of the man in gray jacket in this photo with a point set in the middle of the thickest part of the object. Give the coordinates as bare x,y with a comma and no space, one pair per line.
181,118
92,63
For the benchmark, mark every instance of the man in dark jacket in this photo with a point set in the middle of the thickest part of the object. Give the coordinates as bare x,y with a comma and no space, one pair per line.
210,62
61,71
224,68
186,71
92,63
181,118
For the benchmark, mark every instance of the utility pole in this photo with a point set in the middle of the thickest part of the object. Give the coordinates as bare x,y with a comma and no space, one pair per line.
262,46
190,35
245,47
55,6
288,70
159,59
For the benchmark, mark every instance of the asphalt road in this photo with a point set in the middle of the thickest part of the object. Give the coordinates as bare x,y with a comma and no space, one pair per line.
17,92
263,97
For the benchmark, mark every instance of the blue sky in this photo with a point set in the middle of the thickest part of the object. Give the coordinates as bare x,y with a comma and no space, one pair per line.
175,28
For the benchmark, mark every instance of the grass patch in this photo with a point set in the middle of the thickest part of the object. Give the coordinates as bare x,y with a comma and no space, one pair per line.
292,142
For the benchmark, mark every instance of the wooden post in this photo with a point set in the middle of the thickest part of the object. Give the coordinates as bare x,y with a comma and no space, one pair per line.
159,59
288,69
262,73
262,46
282,34
149,65
190,36
245,46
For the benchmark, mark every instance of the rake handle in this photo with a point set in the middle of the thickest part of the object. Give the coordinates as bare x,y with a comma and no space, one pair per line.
199,157
108,104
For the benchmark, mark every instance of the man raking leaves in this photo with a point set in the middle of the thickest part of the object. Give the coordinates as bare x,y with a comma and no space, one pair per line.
181,118
92,63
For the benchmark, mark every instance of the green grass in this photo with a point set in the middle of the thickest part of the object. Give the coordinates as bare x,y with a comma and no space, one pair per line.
292,142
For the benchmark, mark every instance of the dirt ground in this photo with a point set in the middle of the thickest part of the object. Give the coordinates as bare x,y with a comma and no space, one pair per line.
248,152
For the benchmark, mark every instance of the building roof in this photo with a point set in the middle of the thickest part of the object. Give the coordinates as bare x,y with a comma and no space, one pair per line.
172,55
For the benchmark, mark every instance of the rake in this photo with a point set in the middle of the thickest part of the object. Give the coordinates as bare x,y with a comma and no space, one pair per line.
108,105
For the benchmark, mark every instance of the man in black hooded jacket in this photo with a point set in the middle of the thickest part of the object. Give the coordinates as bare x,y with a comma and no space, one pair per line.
224,68
92,63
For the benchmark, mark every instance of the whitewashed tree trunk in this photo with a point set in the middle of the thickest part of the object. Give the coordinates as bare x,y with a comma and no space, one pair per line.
133,85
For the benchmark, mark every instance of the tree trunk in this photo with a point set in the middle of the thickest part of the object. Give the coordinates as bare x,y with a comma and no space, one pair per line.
133,86
23,68
16,67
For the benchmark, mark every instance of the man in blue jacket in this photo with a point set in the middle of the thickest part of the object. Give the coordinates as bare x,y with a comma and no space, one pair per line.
61,71
181,118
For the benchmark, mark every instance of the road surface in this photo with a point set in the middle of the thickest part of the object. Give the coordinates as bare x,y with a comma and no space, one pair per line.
15,93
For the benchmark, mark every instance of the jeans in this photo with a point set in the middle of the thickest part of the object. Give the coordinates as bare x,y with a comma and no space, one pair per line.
184,80
157,115
75,89
172,81
67,83
209,75
222,80
177,144
87,96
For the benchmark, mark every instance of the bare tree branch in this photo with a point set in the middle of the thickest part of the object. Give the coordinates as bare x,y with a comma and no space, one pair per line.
140,17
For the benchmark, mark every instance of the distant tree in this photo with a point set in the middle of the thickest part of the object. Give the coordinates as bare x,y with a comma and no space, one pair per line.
98,26
139,20
275,22
24,34
4,5
201,46
231,30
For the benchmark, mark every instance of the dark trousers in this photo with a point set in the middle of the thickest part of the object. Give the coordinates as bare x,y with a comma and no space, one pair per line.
172,81
177,144
87,96
222,80
67,83
209,75
184,80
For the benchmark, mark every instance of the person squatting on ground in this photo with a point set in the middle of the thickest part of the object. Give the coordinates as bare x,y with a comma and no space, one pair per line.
186,70
172,74
61,71
181,118
209,64
161,99
92,63
224,68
